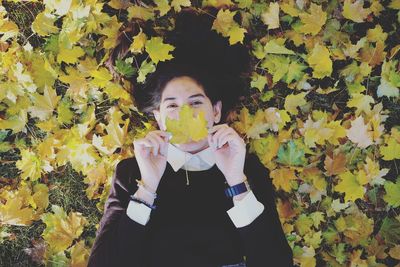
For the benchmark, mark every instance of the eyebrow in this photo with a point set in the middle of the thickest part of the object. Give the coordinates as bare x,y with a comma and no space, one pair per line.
192,96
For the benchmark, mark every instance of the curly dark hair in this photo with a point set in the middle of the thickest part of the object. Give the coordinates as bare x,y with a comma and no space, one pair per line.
204,55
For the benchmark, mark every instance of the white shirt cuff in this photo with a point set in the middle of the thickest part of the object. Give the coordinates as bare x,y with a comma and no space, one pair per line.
246,210
138,212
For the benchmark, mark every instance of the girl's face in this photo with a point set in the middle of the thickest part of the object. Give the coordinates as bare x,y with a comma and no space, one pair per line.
184,90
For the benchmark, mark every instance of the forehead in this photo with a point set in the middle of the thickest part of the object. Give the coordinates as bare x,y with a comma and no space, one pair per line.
182,87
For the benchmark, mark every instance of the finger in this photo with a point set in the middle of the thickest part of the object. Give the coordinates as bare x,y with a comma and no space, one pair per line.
154,143
231,138
210,142
217,135
164,134
143,145
162,142
216,127
222,135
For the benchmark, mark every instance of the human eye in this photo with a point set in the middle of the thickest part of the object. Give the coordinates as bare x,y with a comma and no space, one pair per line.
197,102
171,106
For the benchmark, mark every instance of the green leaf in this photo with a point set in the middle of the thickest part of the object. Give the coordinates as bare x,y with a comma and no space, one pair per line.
390,231
392,196
290,154
124,68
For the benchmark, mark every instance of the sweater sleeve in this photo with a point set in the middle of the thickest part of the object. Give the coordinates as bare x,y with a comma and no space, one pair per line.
119,239
264,240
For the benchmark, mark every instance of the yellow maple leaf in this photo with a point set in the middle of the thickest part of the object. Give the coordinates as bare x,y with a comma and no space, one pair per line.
320,61
70,55
391,150
361,102
177,4
224,21
162,6
44,24
138,43
360,133
271,17
313,22
79,254
293,101
236,34
61,229
30,165
157,50
350,186
139,12
188,127
44,105
355,11
282,178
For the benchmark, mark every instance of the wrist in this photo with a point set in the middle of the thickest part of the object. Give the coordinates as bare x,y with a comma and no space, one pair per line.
236,180
240,196
140,193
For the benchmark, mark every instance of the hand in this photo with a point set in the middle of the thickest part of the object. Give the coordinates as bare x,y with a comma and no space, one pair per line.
151,156
231,153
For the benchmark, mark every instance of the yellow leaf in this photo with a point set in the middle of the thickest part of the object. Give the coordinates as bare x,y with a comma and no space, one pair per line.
350,186
313,22
61,229
293,101
70,56
394,252
157,50
119,4
79,254
188,127
162,6
236,34
224,21
355,11
60,7
391,150
271,17
101,77
30,165
177,4
44,24
138,43
8,29
360,133
282,178
44,105
361,102
320,61
138,12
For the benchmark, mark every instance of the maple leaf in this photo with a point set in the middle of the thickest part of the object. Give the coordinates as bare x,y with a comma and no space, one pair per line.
44,24
139,12
355,11
61,229
271,17
162,6
290,154
350,186
30,165
313,22
293,101
359,133
139,42
335,164
188,127
45,104
177,4
320,61
283,178
79,254
157,50
392,196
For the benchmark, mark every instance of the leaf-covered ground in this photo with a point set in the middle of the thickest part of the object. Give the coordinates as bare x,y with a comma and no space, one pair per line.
323,116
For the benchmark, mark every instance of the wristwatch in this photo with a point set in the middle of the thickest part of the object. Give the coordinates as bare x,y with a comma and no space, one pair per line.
237,189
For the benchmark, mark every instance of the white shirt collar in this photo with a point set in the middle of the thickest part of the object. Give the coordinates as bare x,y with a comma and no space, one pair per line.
176,157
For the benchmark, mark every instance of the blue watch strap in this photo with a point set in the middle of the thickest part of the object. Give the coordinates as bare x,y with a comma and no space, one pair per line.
237,189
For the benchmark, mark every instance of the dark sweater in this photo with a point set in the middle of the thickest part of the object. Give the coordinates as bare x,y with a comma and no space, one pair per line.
190,226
